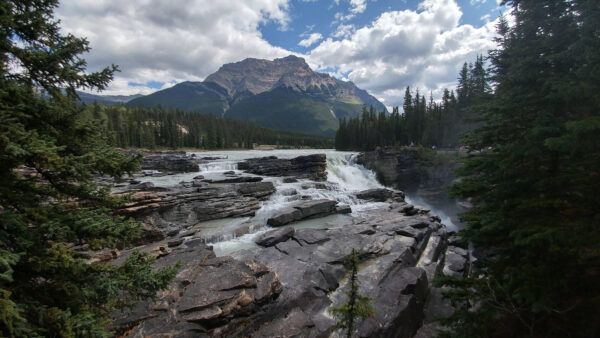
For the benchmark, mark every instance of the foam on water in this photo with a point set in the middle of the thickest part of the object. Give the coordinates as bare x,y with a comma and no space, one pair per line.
344,179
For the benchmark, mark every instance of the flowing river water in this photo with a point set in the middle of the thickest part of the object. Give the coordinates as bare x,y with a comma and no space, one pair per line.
344,179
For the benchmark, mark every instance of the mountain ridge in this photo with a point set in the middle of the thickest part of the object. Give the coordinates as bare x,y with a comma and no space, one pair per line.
247,90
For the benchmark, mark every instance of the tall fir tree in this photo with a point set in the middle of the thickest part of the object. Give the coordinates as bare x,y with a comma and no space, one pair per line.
536,208
49,202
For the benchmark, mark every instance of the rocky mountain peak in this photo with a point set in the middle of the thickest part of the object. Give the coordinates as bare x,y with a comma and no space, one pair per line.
254,76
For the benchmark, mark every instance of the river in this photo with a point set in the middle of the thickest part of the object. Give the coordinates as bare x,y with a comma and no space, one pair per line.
344,178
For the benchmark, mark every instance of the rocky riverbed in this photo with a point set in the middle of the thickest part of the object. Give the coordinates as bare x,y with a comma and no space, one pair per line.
283,282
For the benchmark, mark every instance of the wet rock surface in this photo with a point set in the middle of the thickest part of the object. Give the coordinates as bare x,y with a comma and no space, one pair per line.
180,207
379,195
304,210
284,286
170,161
420,177
310,166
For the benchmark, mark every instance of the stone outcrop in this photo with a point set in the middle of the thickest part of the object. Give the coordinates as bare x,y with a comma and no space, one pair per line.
170,162
423,178
311,270
207,292
303,210
394,168
380,195
285,286
273,237
313,167
180,207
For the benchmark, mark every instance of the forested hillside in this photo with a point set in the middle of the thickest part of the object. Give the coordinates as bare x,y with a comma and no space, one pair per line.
171,128
424,121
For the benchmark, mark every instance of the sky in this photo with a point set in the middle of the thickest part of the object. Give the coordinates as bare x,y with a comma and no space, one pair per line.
380,45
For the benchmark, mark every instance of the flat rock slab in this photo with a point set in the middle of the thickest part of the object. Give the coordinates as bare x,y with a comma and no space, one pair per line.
273,237
303,210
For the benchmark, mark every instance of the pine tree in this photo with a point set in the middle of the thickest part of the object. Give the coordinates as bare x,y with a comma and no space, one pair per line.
536,187
357,306
49,155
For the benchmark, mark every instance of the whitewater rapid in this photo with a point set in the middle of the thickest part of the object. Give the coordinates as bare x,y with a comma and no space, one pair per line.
344,179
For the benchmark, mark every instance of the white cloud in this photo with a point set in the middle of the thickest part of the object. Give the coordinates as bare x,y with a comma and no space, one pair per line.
154,40
423,48
358,6
475,2
311,40
343,31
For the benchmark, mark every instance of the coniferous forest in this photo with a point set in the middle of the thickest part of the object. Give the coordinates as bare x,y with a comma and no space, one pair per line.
536,213
423,120
156,127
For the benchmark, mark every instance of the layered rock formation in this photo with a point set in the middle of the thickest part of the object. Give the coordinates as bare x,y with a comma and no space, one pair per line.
285,284
285,288
179,207
420,177
207,292
313,167
170,162
305,210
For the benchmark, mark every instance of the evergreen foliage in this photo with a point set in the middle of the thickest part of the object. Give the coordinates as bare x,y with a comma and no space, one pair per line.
157,127
49,155
357,306
535,191
424,122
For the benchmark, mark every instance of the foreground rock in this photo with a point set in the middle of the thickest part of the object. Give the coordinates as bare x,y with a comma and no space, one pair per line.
207,292
273,237
303,210
313,167
180,207
285,288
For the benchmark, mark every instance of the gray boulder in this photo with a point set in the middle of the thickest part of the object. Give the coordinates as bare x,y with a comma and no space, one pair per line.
273,237
303,210
378,195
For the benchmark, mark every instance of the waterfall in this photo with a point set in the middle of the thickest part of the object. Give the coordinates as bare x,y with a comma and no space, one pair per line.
345,178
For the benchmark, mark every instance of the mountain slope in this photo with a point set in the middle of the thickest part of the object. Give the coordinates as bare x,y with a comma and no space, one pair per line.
283,94
106,99
202,97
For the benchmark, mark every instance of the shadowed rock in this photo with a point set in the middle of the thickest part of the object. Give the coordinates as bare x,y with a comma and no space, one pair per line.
273,237
174,162
313,167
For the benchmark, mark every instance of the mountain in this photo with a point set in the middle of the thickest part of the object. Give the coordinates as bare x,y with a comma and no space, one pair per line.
106,99
283,94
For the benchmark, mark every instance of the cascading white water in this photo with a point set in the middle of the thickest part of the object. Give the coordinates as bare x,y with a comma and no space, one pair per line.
344,179
220,166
